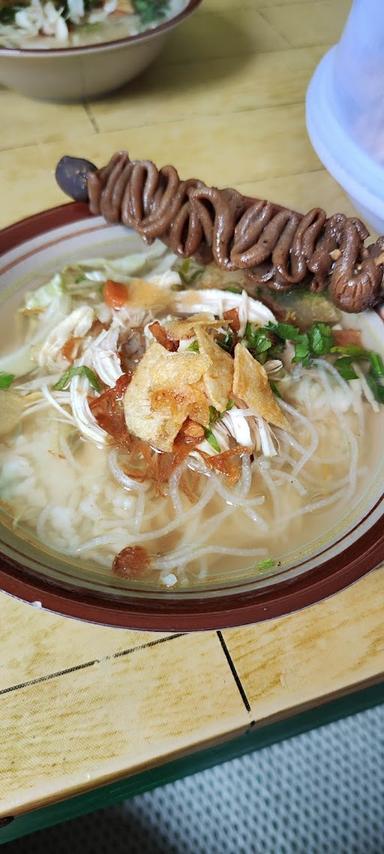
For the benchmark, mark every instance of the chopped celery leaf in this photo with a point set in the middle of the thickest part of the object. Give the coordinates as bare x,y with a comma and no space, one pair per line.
286,331
320,339
257,338
302,352
345,368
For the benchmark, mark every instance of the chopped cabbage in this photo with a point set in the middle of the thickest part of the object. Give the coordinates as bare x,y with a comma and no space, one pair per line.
44,295
56,305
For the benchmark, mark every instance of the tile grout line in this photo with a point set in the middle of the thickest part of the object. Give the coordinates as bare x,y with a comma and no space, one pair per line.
282,175
234,672
91,117
288,47
87,664
293,3
179,119
184,117
266,21
10,147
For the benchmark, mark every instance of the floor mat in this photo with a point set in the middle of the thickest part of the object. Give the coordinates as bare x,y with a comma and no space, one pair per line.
319,792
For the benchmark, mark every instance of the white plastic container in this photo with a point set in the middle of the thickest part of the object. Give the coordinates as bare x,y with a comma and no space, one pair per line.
345,110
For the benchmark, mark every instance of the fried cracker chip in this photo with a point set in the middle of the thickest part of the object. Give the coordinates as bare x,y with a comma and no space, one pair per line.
165,389
142,294
179,329
250,384
219,374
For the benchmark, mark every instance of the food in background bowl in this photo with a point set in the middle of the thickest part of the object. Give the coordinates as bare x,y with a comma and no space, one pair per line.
66,71
36,24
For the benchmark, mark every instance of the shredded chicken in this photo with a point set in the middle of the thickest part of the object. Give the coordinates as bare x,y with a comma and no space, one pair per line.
76,325
101,356
217,302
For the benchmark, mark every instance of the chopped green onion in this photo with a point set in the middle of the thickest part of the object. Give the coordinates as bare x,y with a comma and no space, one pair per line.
275,351
376,372
150,10
377,365
320,339
189,271
233,289
268,563
214,414
345,368
6,380
275,389
194,347
80,371
249,332
225,341
211,438
88,5
8,13
376,388
352,350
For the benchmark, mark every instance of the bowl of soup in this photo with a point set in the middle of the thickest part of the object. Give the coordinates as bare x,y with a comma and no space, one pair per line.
74,50
178,451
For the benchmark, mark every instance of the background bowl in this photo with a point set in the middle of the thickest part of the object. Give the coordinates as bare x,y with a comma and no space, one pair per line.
31,250
74,73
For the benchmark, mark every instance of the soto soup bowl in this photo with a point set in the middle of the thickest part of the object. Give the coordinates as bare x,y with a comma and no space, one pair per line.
71,74
29,251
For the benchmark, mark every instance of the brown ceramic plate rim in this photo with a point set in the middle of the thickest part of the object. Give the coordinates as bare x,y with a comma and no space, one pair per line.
91,48
167,613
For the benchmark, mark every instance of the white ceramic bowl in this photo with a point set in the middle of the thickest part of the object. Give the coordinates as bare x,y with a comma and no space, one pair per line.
74,73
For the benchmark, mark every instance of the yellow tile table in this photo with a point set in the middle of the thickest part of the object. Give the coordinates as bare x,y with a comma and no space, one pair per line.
89,715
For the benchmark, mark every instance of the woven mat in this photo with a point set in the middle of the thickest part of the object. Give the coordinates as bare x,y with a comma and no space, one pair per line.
316,793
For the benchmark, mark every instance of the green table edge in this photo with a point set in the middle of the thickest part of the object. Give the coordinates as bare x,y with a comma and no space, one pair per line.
255,738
